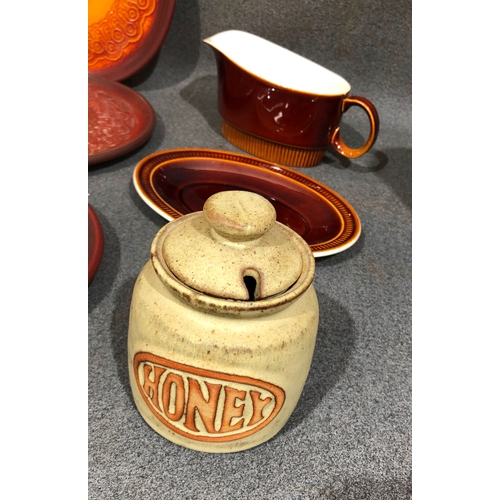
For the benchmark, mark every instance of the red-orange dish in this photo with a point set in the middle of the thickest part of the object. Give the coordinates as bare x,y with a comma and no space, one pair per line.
120,120
177,182
96,243
125,34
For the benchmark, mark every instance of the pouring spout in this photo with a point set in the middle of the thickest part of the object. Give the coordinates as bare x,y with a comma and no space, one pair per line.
277,65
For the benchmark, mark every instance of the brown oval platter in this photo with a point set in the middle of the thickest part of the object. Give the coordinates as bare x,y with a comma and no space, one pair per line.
179,181
124,35
119,121
96,243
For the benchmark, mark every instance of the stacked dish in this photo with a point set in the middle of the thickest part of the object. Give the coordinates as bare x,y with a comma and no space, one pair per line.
124,35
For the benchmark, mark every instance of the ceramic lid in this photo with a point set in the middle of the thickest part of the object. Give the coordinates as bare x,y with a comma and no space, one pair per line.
234,249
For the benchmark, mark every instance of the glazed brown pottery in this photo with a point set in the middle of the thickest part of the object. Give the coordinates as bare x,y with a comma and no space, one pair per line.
177,182
280,106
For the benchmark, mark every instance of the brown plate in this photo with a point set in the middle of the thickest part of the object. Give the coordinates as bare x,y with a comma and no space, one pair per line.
96,243
125,34
120,120
177,182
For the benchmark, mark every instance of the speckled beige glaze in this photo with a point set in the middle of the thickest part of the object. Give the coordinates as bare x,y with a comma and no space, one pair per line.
219,374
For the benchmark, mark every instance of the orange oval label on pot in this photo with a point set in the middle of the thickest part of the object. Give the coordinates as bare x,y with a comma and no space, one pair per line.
205,405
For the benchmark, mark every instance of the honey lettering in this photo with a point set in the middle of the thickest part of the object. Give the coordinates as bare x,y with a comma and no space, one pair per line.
202,404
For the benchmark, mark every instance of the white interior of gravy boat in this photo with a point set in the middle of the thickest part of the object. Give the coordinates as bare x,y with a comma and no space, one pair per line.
277,65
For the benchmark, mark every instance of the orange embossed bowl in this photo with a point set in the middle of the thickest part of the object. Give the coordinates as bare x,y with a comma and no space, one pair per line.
125,34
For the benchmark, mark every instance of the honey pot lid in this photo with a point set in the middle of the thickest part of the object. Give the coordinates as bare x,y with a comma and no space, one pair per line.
234,249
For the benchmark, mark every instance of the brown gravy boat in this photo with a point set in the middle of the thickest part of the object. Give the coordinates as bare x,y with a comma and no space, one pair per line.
280,106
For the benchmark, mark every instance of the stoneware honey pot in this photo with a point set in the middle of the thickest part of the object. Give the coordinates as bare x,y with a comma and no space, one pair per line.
281,106
223,323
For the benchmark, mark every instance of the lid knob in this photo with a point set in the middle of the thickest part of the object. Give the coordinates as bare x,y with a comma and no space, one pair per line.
239,215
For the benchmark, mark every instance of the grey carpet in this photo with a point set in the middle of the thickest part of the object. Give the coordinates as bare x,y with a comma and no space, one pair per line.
350,435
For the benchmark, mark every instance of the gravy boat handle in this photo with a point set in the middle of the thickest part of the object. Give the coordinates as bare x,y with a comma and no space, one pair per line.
372,114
